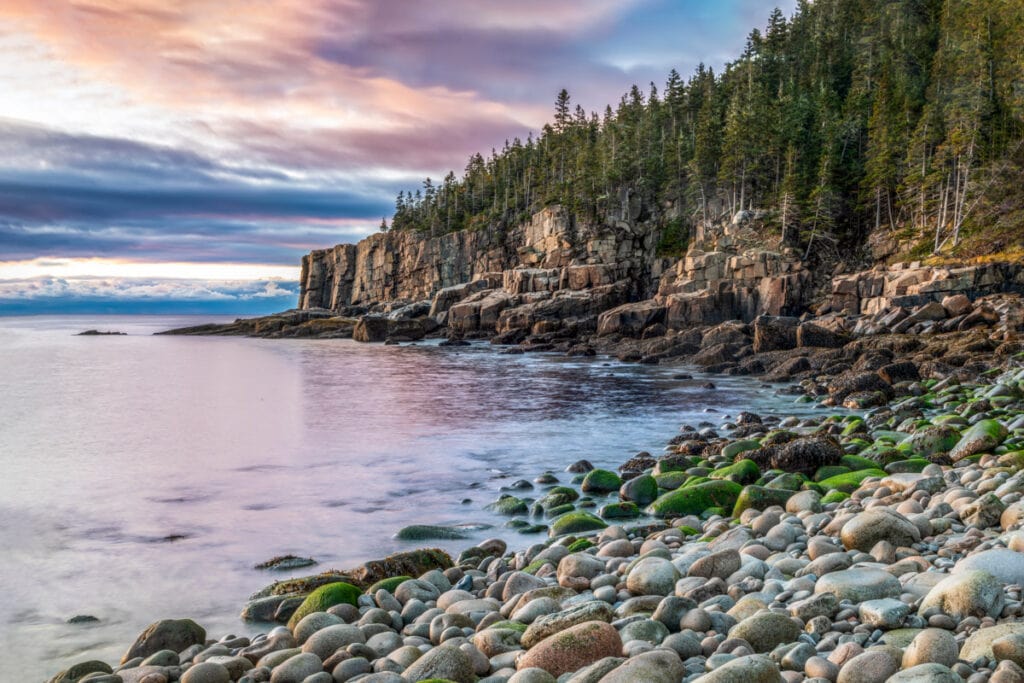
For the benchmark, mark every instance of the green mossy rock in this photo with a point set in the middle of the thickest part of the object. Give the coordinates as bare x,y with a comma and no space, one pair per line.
856,462
733,449
849,482
693,500
560,495
759,498
934,443
788,481
324,598
551,513
576,523
856,426
670,481
909,466
641,490
695,481
829,471
509,505
535,566
428,532
834,496
671,464
579,545
1013,460
601,481
626,510
980,438
389,584
742,472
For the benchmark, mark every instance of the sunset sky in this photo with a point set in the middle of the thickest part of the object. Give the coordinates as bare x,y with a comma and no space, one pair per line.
192,150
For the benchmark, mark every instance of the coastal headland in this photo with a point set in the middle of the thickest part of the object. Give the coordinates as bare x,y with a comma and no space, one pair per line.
876,540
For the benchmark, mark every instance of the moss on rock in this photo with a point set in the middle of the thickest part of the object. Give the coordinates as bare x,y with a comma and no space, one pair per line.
743,471
575,523
759,498
694,500
601,481
324,598
850,481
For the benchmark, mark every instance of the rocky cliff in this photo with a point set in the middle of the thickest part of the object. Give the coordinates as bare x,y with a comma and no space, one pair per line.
552,279
547,253
552,273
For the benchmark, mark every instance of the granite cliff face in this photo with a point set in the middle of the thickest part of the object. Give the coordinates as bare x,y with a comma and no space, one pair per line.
548,253
553,279
552,273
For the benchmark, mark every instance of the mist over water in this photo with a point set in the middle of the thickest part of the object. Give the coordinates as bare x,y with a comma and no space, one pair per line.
142,477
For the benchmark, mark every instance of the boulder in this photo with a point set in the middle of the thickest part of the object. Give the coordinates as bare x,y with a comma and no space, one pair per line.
370,328
443,662
167,634
981,437
694,500
879,524
809,334
766,630
774,333
573,648
652,576
1004,564
859,584
325,597
550,624
630,319
656,666
749,669
971,593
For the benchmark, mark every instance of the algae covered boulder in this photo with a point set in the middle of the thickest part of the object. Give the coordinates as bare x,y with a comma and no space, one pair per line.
626,510
980,438
509,505
601,481
759,498
934,443
742,472
641,490
850,481
389,584
324,598
694,500
576,523
425,532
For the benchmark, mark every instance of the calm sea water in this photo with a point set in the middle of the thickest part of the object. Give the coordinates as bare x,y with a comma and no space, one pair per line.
242,449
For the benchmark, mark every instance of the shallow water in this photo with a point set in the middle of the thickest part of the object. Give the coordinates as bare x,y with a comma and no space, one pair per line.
142,477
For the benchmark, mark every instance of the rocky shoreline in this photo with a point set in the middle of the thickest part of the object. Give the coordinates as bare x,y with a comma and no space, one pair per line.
880,543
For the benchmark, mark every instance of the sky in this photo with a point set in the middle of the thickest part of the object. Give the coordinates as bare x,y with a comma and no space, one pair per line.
185,154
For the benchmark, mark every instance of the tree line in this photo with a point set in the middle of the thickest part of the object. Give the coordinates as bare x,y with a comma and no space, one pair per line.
847,117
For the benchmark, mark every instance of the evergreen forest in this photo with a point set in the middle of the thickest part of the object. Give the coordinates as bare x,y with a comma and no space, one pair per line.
851,116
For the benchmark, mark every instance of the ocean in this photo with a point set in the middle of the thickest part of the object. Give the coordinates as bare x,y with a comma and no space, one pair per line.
142,477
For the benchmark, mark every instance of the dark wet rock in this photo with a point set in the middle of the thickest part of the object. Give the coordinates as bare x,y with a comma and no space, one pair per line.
804,455
286,562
